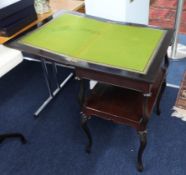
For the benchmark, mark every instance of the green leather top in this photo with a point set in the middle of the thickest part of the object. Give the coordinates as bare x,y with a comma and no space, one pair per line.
81,38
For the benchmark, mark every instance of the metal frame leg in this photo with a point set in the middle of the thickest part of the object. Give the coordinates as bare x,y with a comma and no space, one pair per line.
47,80
55,72
52,94
143,143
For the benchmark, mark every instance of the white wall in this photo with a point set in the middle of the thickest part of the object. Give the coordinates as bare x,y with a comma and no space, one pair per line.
119,10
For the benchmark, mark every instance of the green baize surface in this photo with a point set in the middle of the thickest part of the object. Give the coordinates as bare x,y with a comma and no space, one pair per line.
114,45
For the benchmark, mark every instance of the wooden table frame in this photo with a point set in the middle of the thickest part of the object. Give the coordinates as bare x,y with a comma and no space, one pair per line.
142,83
149,98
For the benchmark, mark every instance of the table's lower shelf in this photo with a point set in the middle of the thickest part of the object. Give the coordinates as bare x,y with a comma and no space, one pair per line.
119,104
124,106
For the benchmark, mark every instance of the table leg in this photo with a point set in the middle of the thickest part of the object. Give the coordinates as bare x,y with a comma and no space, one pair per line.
48,84
145,117
166,61
55,73
85,128
81,95
143,132
158,110
166,64
143,142
47,80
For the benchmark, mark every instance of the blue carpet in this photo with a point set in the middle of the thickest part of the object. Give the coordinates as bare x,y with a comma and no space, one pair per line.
182,39
176,71
56,141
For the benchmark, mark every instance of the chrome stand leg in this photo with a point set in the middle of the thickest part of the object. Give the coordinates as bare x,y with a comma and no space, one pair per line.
174,51
48,84
54,68
47,80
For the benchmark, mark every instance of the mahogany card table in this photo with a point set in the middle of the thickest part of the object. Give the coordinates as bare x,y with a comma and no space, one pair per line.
129,62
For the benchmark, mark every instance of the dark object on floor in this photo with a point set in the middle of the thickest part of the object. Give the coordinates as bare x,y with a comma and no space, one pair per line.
13,135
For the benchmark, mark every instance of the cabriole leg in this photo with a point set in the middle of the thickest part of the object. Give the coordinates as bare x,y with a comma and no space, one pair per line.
143,142
85,128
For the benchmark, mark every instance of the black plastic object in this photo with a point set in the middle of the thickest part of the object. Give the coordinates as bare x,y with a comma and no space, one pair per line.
16,16
13,8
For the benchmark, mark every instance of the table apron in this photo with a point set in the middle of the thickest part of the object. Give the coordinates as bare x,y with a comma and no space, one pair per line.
119,81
